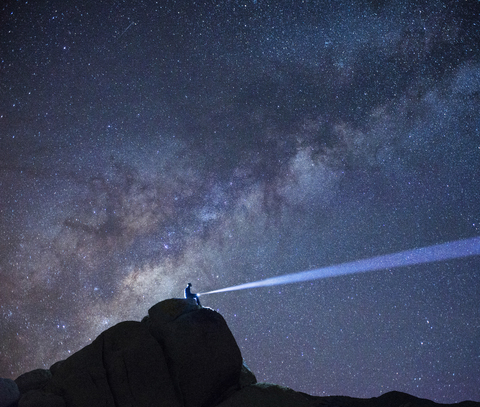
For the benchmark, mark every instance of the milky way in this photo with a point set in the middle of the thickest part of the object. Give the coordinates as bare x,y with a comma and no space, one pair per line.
144,145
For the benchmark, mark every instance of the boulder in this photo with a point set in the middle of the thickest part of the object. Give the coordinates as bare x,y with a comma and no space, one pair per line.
202,354
33,380
55,366
181,354
124,366
169,310
9,393
247,377
38,398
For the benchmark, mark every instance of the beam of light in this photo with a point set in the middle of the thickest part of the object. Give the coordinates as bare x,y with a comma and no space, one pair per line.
439,252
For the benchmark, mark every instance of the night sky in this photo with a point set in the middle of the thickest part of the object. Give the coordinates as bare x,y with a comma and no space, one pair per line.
147,144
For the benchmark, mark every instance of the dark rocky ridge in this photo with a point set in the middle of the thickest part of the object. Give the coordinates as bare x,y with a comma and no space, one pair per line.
181,355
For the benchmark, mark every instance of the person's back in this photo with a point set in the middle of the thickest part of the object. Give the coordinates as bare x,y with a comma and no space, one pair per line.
189,294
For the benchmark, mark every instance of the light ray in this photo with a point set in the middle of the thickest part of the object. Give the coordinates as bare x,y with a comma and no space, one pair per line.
428,254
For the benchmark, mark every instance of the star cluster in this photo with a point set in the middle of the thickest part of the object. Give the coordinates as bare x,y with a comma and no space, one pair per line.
146,144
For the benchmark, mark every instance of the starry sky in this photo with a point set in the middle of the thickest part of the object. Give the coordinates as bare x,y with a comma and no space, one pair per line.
146,144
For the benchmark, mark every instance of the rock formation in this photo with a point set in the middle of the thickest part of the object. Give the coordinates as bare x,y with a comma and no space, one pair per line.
182,355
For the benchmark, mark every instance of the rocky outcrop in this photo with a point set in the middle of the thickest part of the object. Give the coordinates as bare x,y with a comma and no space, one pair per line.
33,380
9,392
180,355
272,395
124,366
202,356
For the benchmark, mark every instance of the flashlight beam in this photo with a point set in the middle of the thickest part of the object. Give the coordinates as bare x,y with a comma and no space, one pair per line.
428,254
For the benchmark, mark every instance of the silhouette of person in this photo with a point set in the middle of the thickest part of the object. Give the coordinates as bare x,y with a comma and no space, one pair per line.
189,294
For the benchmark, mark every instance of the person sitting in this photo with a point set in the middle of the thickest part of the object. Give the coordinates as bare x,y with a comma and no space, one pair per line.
189,294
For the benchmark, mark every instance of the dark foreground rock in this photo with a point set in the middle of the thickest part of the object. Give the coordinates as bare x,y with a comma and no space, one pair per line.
9,392
181,355
272,395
